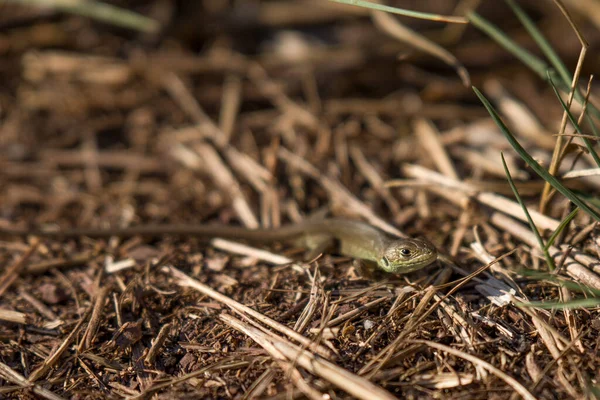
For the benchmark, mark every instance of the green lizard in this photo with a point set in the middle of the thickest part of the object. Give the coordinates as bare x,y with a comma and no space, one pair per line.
354,239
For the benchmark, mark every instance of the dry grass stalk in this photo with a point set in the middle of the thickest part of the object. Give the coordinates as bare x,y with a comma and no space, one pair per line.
186,281
573,268
51,361
95,319
393,27
258,254
339,195
267,342
14,377
493,200
12,272
506,378
352,384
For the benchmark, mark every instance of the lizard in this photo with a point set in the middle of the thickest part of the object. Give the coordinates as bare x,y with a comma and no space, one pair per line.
359,240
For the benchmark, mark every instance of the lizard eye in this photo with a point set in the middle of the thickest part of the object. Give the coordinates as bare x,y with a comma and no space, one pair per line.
405,252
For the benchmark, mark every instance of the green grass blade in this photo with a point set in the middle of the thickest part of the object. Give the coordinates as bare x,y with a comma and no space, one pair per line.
406,13
534,228
535,63
563,224
577,303
531,162
565,76
592,125
98,11
541,41
592,200
587,142
573,286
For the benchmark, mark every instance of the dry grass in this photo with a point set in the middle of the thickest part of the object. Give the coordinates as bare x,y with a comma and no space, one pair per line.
269,116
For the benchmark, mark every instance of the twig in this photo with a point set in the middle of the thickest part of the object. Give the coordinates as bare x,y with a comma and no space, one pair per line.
477,361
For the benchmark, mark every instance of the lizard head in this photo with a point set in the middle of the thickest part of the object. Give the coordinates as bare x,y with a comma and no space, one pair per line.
406,255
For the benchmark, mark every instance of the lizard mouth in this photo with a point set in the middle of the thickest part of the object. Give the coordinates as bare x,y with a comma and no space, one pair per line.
421,261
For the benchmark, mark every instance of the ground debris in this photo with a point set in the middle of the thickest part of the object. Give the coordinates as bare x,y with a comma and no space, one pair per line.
273,112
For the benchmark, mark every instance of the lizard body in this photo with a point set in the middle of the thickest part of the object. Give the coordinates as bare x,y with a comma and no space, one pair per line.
355,239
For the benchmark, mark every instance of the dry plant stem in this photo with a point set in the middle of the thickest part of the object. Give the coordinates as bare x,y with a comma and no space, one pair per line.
265,340
389,24
273,91
123,391
371,174
311,90
186,281
92,328
179,92
542,374
53,359
577,135
583,234
143,376
338,194
12,272
512,382
113,159
557,355
430,139
361,292
328,310
14,317
521,119
384,355
157,344
223,177
493,200
311,306
356,312
582,172
461,327
230,105
343,379
38,305
549,341
171,382
12,376
573,268
91,374
585,259
558,148
533,313
221,174
570,319
89,149
260,385
570,138
256,174
117,308
242,249
463,225
453,32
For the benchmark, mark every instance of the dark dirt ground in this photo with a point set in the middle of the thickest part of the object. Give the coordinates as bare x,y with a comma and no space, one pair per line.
262,113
